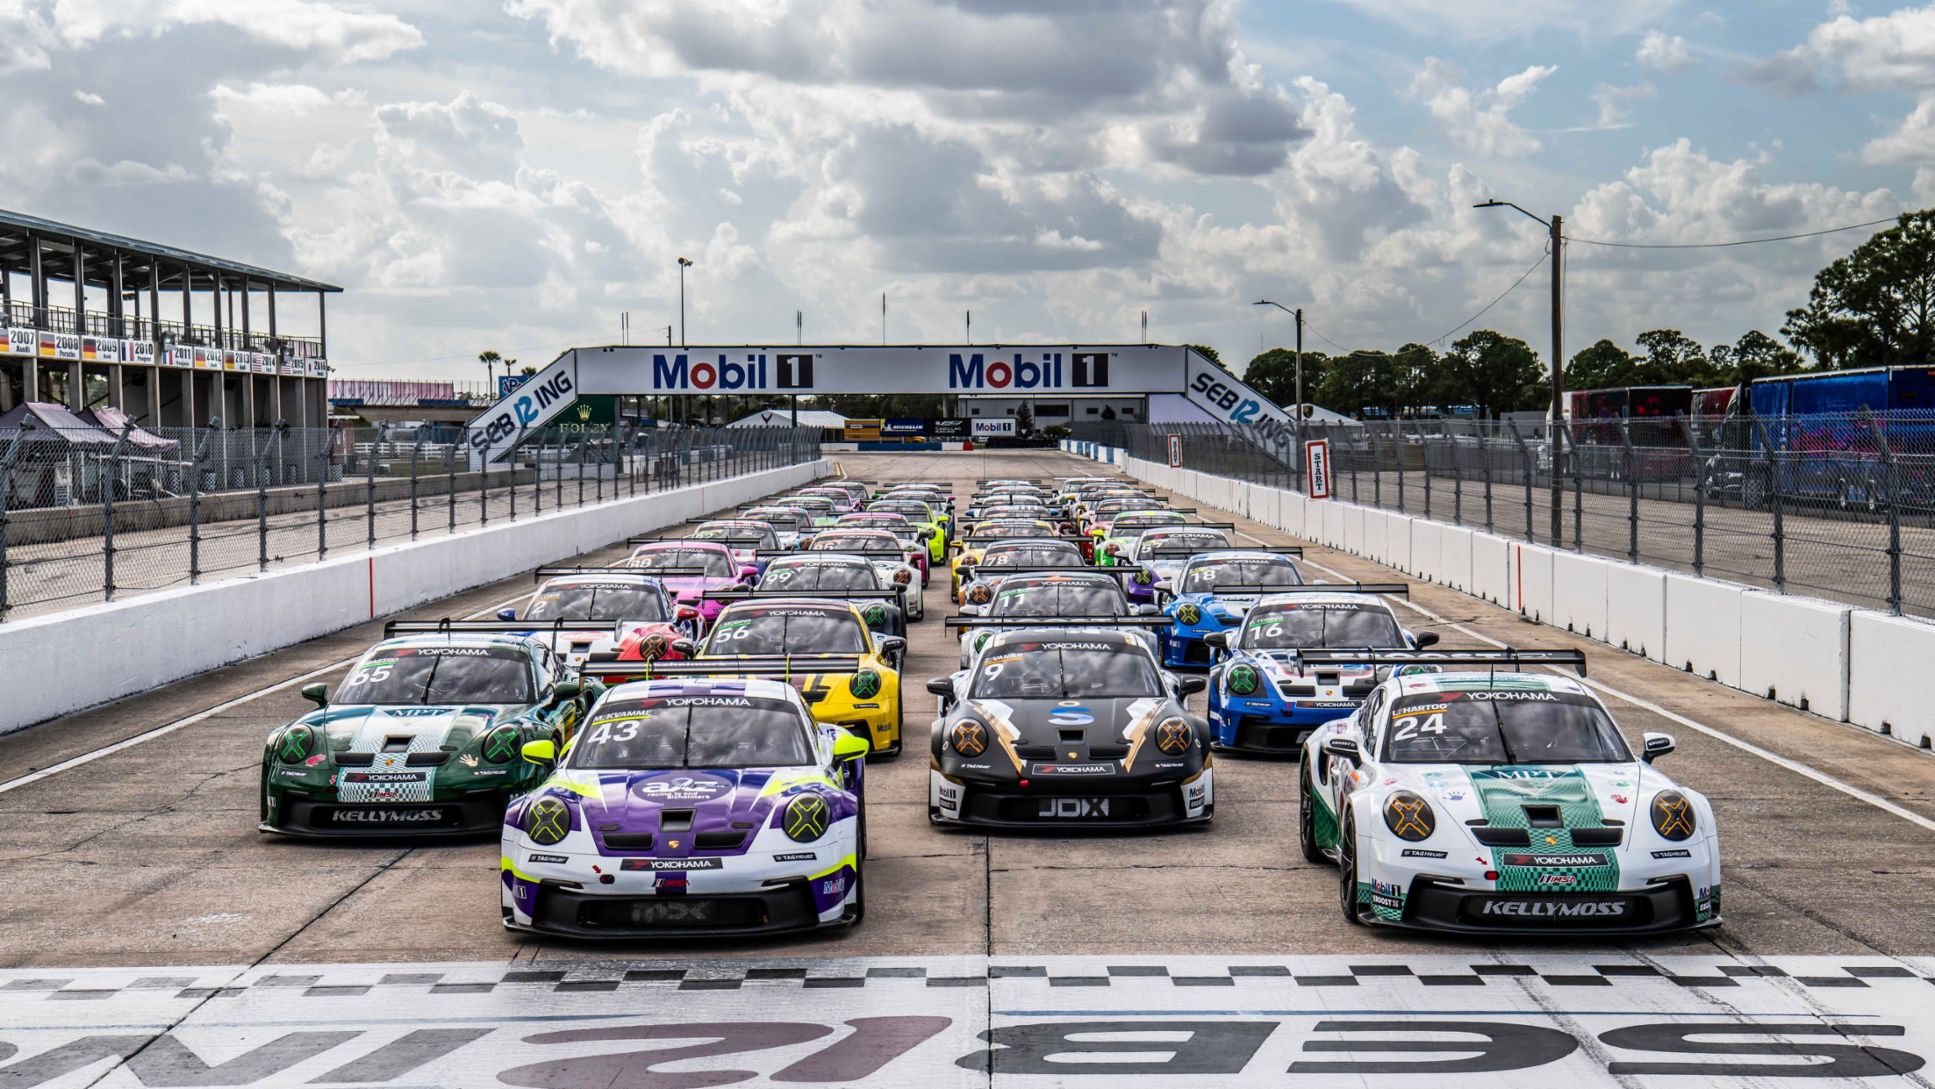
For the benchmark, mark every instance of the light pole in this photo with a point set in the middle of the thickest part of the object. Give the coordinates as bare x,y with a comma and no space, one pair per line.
684,263
1298,314
1555,232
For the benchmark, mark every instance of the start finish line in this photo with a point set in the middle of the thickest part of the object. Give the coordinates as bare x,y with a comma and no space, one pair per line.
967,1021
1067,370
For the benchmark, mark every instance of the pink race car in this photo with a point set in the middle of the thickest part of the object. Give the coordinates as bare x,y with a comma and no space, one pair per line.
688,569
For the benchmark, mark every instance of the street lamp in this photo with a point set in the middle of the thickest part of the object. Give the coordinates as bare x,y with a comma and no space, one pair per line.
684,263
1555,232
1298,314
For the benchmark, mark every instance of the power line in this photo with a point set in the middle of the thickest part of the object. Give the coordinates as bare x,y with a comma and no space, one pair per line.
1501,298
1727,245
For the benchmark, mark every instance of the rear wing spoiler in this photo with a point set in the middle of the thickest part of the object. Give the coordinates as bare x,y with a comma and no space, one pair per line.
801,595
897,553
1393,589
774,668
543,573
1064,621
971,572
447,626
1509,657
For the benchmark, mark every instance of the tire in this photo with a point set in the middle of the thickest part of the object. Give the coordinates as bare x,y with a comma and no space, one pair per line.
1347,871
1755,489
859,909
1307,817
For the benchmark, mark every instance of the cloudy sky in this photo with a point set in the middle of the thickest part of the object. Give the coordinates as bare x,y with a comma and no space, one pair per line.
514,175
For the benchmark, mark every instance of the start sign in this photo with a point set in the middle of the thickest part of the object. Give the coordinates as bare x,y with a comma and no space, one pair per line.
1316,465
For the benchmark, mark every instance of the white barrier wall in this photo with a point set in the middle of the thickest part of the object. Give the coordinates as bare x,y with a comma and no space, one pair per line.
1833,660
56,665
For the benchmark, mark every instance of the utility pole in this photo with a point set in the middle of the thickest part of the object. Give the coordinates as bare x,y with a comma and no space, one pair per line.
684,264
1555,240
970,326
1145,327
799,327
1296,412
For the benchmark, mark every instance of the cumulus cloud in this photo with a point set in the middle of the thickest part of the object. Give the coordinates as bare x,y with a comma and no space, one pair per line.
1464,21
1664,53
318,26
1480,121
1893,52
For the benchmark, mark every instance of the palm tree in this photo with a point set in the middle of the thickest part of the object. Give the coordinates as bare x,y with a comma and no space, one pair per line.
489,358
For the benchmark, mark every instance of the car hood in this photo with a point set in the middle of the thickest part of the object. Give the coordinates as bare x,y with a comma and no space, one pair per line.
1586,795
1075,729
714,801
1281,665
366,728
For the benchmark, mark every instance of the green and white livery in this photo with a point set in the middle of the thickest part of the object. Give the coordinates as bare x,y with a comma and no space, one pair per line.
1466,795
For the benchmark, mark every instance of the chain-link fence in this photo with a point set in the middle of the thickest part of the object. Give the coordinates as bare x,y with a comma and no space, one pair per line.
92,514
1834,506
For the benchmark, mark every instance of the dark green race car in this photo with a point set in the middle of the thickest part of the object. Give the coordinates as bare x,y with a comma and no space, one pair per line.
423,737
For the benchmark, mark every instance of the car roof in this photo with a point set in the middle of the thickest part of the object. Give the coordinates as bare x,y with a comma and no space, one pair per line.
804,600
1478,679
1115,637
1323,598
508,640
754,687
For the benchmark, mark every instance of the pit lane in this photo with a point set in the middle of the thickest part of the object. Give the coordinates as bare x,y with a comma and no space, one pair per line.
147,857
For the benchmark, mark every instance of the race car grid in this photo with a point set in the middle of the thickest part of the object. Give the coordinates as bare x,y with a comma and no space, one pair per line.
142,852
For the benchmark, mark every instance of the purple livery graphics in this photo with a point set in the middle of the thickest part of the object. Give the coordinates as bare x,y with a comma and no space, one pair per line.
689,568
690,807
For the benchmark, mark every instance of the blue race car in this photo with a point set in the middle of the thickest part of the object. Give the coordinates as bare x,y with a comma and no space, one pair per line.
1211,592
1264,698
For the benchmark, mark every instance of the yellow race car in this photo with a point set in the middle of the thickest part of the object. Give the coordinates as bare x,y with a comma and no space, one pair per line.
848,673
932,529
985,534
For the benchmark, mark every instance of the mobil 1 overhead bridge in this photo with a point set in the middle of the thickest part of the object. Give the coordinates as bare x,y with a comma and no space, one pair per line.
1069,370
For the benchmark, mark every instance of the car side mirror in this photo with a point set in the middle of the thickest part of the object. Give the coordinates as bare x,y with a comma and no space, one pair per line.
566,690
748,574
1343,748
1425,639
972,610
685,648
507,614
542,753
1657,745
892,645
1165,586
317,693
941,686
1218,639
850,746
1192,685
1147,610
684,612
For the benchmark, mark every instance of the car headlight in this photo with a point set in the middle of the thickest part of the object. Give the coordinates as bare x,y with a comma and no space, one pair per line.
1409,817
294,746
1174,737
1242,680
874,616
806,818
547,821
1673,816
969,738
864,685
501,745
903,576
980,595
1189,613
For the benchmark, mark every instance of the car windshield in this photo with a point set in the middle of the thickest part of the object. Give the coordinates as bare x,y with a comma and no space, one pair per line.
857,575
423,675
863,543
1129,524
991,531
691,732
905,509
1071,669
781,519
1172,545
1502,726
596,601
1321,624
712,563
786,629
1031,556
1212,576
1059,599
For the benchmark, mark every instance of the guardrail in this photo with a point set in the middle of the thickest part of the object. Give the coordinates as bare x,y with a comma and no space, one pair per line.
92,515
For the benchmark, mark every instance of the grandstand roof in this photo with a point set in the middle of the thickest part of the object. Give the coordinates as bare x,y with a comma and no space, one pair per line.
62,237
783,417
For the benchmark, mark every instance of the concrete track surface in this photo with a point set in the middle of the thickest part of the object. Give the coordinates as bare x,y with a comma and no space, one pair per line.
153,937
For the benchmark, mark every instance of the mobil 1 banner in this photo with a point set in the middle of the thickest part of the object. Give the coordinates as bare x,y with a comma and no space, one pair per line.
1068,369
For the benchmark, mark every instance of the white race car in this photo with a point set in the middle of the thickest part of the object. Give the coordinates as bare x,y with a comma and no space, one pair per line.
1486,801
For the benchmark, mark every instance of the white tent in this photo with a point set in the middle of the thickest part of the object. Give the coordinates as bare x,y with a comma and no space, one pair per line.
783,417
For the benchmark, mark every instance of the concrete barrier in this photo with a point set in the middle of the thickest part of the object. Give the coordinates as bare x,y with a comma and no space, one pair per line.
1425,553
1636,610
1397,541
1532,581
1579,593
1377,535
1890,685
1703,627
1266,506
56,665
1454,557
1795,651
1353,528
1491,568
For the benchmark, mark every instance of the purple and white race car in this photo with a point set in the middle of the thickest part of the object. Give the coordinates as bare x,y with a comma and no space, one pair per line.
687,569
690,806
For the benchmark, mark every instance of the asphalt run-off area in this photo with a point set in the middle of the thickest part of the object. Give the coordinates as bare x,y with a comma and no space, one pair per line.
153,937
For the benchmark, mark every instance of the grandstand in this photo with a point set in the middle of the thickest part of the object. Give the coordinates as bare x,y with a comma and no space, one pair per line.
85,328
